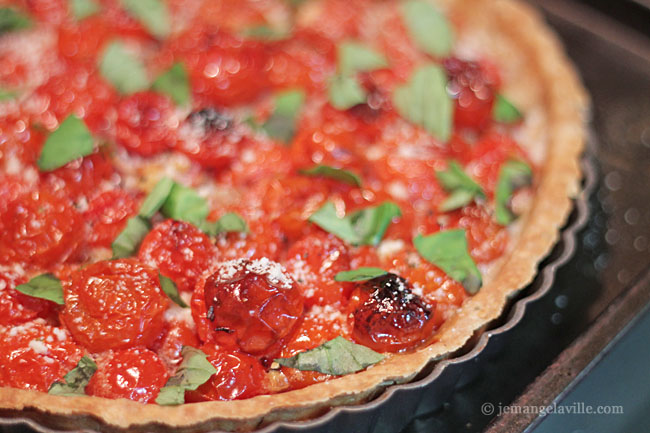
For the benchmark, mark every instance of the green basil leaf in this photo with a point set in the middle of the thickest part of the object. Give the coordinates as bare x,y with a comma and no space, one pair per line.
513,174
153,15
193,372
128,241
169,288
356,57
361,274
228,223
333,173
364,227
174,83
266,33
336,357
424,101
6,95
463,189
75,381
184,204
121,68
83,8
429,29
70,141
448,250
345,92
282,123
156,198
44,286
11,20
504,111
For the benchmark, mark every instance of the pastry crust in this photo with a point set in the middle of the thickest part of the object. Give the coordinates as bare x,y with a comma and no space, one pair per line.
549,84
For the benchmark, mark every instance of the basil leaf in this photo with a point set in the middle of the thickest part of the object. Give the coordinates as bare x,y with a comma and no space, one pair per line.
44,286
184,204
83,8
334,173
266,33
125,71
282,123
345,92
448,250
424,101
193,372
11,20
428,27
512,175
355,57
174,83
75,381
6,95
504,111
364,227
70,141
462,188
129,240
228,223
361,274
336,357
169,288
153,15
156,198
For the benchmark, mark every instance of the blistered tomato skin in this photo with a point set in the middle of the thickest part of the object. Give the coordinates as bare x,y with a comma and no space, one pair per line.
34,355
255,302
313,262
40,229
389,316
145,123
179,250
136,374
114,304
238,376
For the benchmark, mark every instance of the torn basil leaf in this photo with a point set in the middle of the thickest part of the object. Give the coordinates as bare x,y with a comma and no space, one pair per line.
448,250
156,198
75,381
336,357
429,29
184,204
345,92
44,286
83,8
333,173
424,101
123,69
193,372
171,290
6,95
153,15
228,223
356,57
266,33
505,111
282,123
364,227
174,83
361,274
12,20
128,241
513,174
71,140
463,188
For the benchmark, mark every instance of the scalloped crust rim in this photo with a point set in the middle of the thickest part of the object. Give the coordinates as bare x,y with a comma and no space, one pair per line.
566,106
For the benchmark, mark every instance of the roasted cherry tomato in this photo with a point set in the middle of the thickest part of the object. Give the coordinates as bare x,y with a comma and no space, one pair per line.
107,215
114,305
178,333
16,307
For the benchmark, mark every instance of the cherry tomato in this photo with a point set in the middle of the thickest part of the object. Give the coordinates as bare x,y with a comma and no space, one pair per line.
107,215
178,333
17,308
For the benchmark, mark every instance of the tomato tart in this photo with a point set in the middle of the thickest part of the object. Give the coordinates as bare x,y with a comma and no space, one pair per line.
219,214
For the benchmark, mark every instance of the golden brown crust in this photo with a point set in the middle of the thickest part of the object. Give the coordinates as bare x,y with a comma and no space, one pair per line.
564,104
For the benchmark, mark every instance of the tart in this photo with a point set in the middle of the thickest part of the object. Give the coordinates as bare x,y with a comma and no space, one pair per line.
218,215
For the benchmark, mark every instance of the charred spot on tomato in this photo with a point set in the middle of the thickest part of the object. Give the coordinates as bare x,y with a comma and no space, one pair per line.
255,302
210,120
392,318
